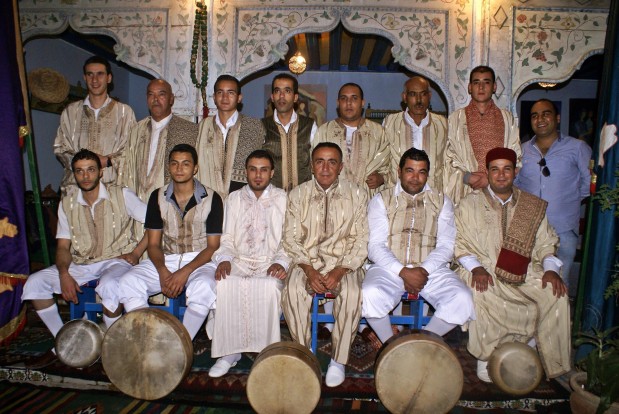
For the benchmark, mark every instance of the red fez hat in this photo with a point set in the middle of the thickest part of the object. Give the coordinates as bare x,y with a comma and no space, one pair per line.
501,153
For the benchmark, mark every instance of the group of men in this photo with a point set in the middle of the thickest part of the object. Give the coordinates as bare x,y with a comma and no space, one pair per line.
250,217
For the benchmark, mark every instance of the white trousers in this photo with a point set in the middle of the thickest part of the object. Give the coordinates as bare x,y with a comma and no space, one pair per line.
45,283
452,300
143,281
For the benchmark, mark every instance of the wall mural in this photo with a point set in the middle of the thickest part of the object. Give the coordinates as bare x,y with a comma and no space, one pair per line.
441,39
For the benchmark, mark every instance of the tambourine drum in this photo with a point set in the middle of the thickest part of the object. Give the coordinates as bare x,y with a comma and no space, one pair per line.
285,378
417,372
147,353
515,368
78,343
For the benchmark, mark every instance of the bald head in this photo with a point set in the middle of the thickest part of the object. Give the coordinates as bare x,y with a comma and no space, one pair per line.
159,98
417,96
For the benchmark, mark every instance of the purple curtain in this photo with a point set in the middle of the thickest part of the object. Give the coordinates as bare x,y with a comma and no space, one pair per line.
14,263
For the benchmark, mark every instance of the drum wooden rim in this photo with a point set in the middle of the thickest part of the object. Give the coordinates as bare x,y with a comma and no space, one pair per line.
515,368
147,353
284,378
78,343
417,372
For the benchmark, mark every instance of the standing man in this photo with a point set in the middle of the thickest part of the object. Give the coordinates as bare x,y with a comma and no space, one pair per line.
325,236
473,131
366,151
506,249
556,169
94,241
183,225
98,123
144,168
226,139
412,236
251,267
419,128
288,134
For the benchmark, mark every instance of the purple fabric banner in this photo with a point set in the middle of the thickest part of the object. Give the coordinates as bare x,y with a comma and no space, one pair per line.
14,263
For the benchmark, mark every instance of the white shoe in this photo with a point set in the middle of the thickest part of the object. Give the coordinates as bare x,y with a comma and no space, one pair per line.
482,371
335,375
220,368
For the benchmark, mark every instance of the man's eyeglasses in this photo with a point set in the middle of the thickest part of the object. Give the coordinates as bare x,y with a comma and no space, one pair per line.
545,170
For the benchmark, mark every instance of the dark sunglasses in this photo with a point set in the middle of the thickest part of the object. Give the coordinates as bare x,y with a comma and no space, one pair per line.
545,170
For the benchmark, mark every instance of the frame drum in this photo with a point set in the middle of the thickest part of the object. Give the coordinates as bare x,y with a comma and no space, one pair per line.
285,378
147,353
417,372
515,368
78,343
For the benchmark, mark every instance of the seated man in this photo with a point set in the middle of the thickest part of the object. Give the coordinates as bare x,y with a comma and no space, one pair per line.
183,226
250,267
94,241
325,236
412,236
506,248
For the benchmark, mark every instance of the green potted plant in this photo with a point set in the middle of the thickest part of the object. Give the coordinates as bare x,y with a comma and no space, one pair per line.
597,389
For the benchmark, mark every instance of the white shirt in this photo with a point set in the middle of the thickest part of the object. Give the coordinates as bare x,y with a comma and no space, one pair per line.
378,247
96,111
349,131
134,207
417,130
229,123
471,262
156,128
293,118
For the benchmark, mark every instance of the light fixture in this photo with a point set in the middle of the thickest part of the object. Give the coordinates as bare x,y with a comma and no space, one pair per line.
547,85
297,64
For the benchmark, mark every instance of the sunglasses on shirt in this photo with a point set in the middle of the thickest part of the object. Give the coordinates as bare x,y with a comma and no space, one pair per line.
544,167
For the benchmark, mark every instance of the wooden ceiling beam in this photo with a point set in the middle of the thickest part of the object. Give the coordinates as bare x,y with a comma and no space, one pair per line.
313,48
355,52
335,47
380,47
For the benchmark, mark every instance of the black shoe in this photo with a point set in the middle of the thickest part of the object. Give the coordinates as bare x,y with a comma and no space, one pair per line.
324,333
42,361
200,342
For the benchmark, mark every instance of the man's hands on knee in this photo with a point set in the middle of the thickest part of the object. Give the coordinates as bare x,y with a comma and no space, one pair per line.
69,288
314,278
481,279
223,270
415,278
558,287
332,279
277,271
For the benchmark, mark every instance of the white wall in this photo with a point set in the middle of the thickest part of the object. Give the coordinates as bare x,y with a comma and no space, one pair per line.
68,60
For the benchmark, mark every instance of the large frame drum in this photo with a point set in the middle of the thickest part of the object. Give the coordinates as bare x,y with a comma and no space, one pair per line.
78,343
147,353
285,378
417,372
515,368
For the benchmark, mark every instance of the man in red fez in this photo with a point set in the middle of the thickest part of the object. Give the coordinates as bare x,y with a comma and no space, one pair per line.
506,250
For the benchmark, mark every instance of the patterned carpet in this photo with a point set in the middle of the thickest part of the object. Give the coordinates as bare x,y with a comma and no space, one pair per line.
357,393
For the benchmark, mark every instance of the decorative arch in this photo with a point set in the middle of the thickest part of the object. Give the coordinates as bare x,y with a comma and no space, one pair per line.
422,36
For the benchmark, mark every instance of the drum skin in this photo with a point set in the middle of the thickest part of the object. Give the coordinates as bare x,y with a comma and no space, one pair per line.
78,343
515,368
147,353
417,372
285,378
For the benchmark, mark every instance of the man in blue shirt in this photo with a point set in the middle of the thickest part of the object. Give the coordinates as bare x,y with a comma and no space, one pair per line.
556,169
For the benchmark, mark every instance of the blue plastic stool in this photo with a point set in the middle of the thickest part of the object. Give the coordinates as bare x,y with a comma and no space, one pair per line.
414,320
88,304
